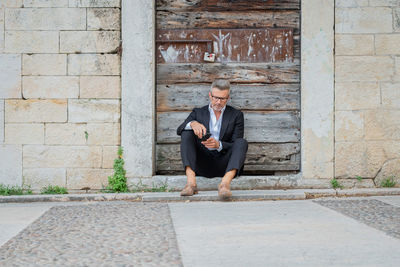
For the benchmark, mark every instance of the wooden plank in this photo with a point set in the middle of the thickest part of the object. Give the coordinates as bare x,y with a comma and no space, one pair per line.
273,157
228,20
272,127
270,96
296,49
260,157
282,72
220,5
181,97
229,45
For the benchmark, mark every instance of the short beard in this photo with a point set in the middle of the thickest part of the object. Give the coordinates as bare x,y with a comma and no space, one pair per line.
216,109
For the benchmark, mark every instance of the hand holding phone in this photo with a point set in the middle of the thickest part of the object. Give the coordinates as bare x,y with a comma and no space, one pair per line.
198,129
210,142
205,137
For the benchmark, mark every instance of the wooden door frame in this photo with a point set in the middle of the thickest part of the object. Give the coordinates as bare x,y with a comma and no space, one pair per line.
138,78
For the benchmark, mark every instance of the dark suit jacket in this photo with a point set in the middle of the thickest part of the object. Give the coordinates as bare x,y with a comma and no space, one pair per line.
232,126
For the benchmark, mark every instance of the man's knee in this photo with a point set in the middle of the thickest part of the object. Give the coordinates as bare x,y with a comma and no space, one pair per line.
187,136
241,143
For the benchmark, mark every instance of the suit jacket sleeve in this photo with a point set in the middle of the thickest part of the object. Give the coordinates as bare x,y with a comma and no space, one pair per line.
191,117
238,130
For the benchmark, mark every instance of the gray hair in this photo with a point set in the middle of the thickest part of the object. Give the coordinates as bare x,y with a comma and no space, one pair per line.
221,84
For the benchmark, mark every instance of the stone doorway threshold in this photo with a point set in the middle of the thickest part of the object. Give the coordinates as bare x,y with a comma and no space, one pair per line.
292,181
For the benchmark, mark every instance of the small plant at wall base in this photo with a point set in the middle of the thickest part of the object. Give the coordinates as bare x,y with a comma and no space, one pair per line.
140,187
117,182
53,190
359,178
335,184
7,190
388,182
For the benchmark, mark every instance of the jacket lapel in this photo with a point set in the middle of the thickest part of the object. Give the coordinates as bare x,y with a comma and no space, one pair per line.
206,117
225,120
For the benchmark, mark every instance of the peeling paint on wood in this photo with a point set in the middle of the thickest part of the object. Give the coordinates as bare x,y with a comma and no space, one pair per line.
230,46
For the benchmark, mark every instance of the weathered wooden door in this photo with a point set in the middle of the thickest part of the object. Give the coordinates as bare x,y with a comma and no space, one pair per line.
257,47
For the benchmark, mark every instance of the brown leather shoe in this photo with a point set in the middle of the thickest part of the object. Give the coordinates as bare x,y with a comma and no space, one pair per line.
224,192
189,190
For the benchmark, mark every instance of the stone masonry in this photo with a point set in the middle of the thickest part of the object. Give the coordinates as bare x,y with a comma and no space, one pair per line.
60,92
367,89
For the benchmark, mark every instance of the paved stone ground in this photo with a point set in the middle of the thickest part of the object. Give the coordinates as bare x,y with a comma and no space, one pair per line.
104,234
372,212
255,233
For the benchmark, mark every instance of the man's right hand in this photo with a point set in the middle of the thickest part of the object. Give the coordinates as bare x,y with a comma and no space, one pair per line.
198,129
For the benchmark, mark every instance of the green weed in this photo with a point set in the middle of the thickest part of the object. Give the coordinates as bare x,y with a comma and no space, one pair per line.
117,182
335,184
140,187
7,190
388,182
53,190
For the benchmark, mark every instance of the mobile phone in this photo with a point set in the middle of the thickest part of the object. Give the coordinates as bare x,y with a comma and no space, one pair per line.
205,137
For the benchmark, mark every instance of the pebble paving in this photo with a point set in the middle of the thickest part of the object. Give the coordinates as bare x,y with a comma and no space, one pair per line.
372,212
104,234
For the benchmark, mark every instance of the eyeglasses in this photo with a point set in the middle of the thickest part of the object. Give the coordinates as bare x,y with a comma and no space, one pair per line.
222,99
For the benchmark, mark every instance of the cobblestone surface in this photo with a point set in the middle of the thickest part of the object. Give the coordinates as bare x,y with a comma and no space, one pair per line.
372,212
104,234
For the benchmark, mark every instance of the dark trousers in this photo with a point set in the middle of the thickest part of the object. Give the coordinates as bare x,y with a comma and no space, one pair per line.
211,163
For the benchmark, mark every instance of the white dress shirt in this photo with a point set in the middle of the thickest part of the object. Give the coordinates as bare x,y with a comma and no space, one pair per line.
214,126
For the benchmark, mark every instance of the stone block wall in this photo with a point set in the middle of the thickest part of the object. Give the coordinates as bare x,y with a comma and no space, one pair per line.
60,92
367,89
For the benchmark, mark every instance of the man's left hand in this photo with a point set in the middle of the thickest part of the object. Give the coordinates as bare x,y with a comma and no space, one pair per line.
211,143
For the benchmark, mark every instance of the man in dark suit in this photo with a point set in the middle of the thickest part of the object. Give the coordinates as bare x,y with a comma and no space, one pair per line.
222,154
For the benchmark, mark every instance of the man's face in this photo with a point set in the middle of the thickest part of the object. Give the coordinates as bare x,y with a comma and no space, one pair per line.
218,98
